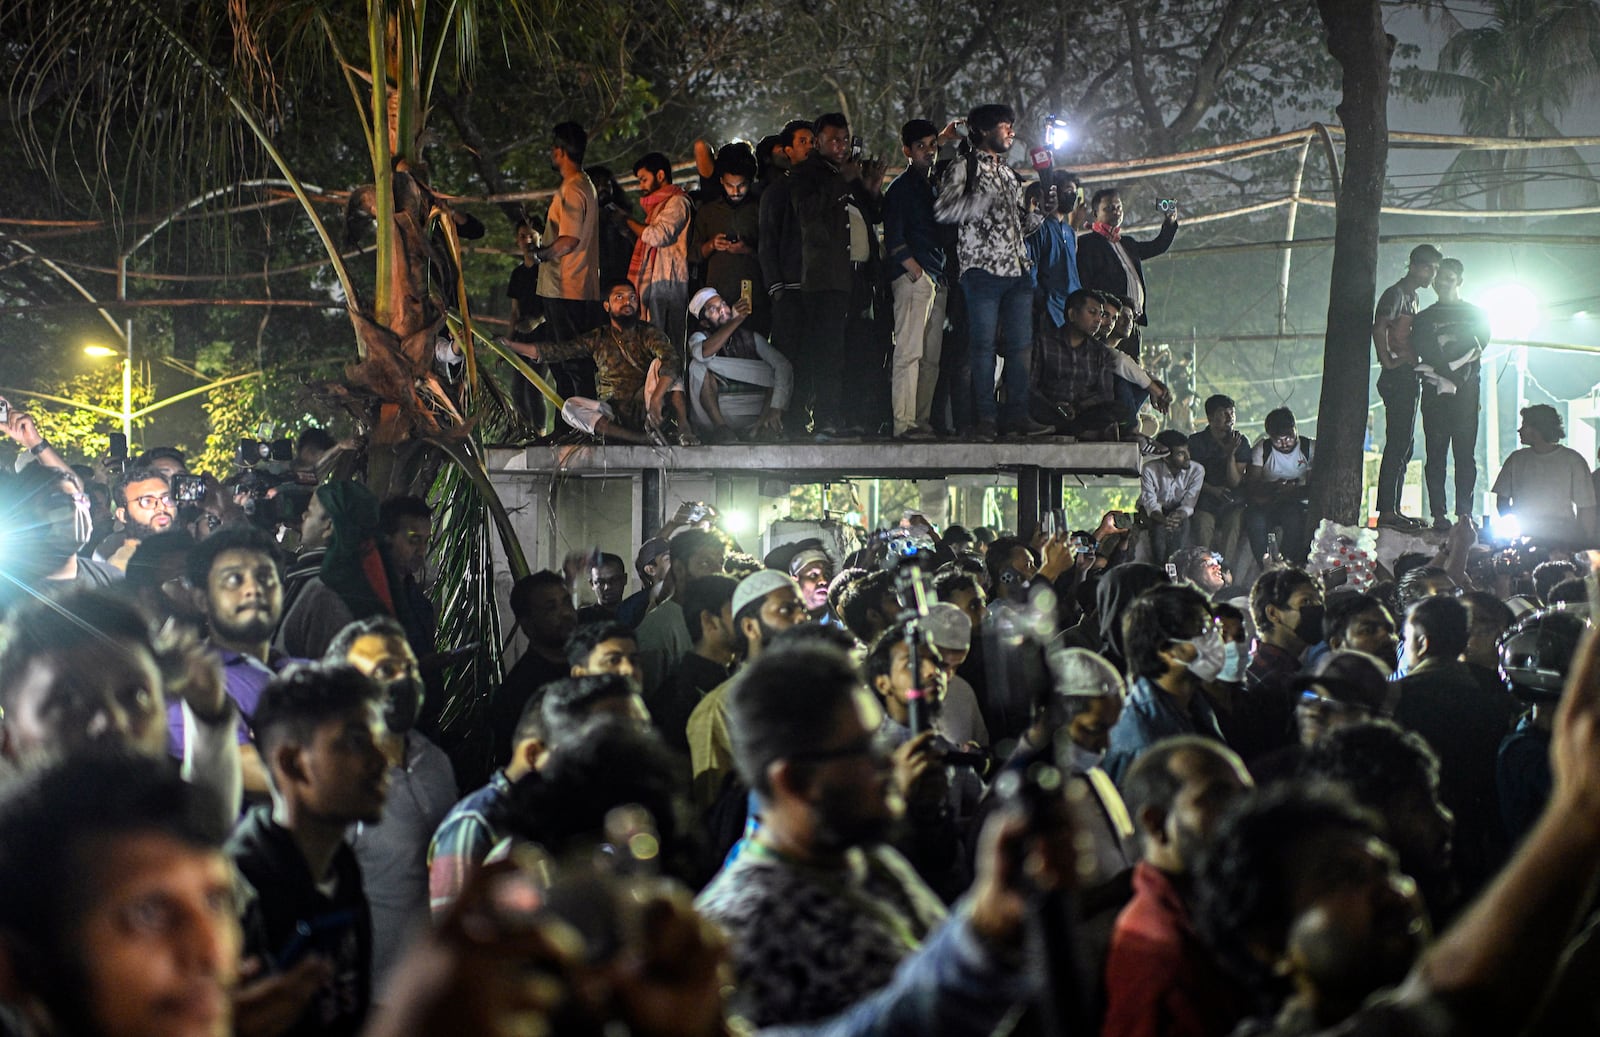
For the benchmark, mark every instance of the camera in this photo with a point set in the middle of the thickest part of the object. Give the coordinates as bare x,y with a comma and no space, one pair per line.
5,412
255,451
856,147
188,489
1167,206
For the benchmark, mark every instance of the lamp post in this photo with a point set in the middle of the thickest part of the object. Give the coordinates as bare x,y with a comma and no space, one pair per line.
127,382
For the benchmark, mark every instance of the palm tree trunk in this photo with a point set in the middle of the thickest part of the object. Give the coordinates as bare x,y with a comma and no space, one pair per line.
1357,41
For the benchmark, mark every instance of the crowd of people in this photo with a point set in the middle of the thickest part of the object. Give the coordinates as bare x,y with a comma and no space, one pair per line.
788,293
1147,776
937,780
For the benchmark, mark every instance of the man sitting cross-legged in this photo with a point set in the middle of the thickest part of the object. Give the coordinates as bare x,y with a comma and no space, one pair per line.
1075,374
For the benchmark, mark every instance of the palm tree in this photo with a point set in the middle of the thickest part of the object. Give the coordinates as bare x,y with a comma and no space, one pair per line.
195,86
1513,76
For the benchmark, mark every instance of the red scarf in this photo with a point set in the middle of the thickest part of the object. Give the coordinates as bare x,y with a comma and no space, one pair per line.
650,202
1108,231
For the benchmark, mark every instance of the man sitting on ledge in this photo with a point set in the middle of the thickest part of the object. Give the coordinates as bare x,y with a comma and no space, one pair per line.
637,374
737,382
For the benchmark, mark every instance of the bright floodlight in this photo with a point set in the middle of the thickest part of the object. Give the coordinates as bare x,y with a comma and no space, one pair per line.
99,350
1057,134
737,522
1505,527
1513,311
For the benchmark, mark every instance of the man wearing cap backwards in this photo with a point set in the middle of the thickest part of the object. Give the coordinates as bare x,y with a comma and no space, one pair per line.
737,382
763,604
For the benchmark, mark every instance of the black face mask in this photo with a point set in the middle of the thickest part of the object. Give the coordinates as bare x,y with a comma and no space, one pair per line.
403,703
1309,629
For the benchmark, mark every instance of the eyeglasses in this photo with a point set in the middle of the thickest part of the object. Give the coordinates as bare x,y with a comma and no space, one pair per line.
150,500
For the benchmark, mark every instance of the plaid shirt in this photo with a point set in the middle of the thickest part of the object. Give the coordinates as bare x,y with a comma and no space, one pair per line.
1061,374
463,840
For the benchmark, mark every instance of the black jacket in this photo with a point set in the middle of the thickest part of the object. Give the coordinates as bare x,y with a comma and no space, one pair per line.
1099,267
820,194
1463,718
285,903
779,244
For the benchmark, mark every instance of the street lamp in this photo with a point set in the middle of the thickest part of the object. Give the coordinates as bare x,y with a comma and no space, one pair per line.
97,350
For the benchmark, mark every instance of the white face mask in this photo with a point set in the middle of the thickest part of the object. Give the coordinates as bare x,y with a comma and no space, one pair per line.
1210,653
1234,662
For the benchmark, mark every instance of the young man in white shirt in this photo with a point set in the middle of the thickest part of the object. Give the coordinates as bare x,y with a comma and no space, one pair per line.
1168,489
1276,486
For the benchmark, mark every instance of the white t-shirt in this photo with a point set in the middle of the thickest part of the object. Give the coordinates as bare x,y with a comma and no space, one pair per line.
1295,466
1545,488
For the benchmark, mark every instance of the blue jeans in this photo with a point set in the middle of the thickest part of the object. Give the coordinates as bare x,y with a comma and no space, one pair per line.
999,316
1132,397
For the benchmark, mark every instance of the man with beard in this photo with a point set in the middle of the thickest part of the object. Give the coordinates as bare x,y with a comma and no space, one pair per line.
238,579
737,382
143,497
637,373
981,194
660,264
1160,979
727,235
763,604
393,853
820,913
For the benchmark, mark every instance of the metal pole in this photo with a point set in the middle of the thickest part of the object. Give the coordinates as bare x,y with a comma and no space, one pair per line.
127,399
127,351
1288,237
